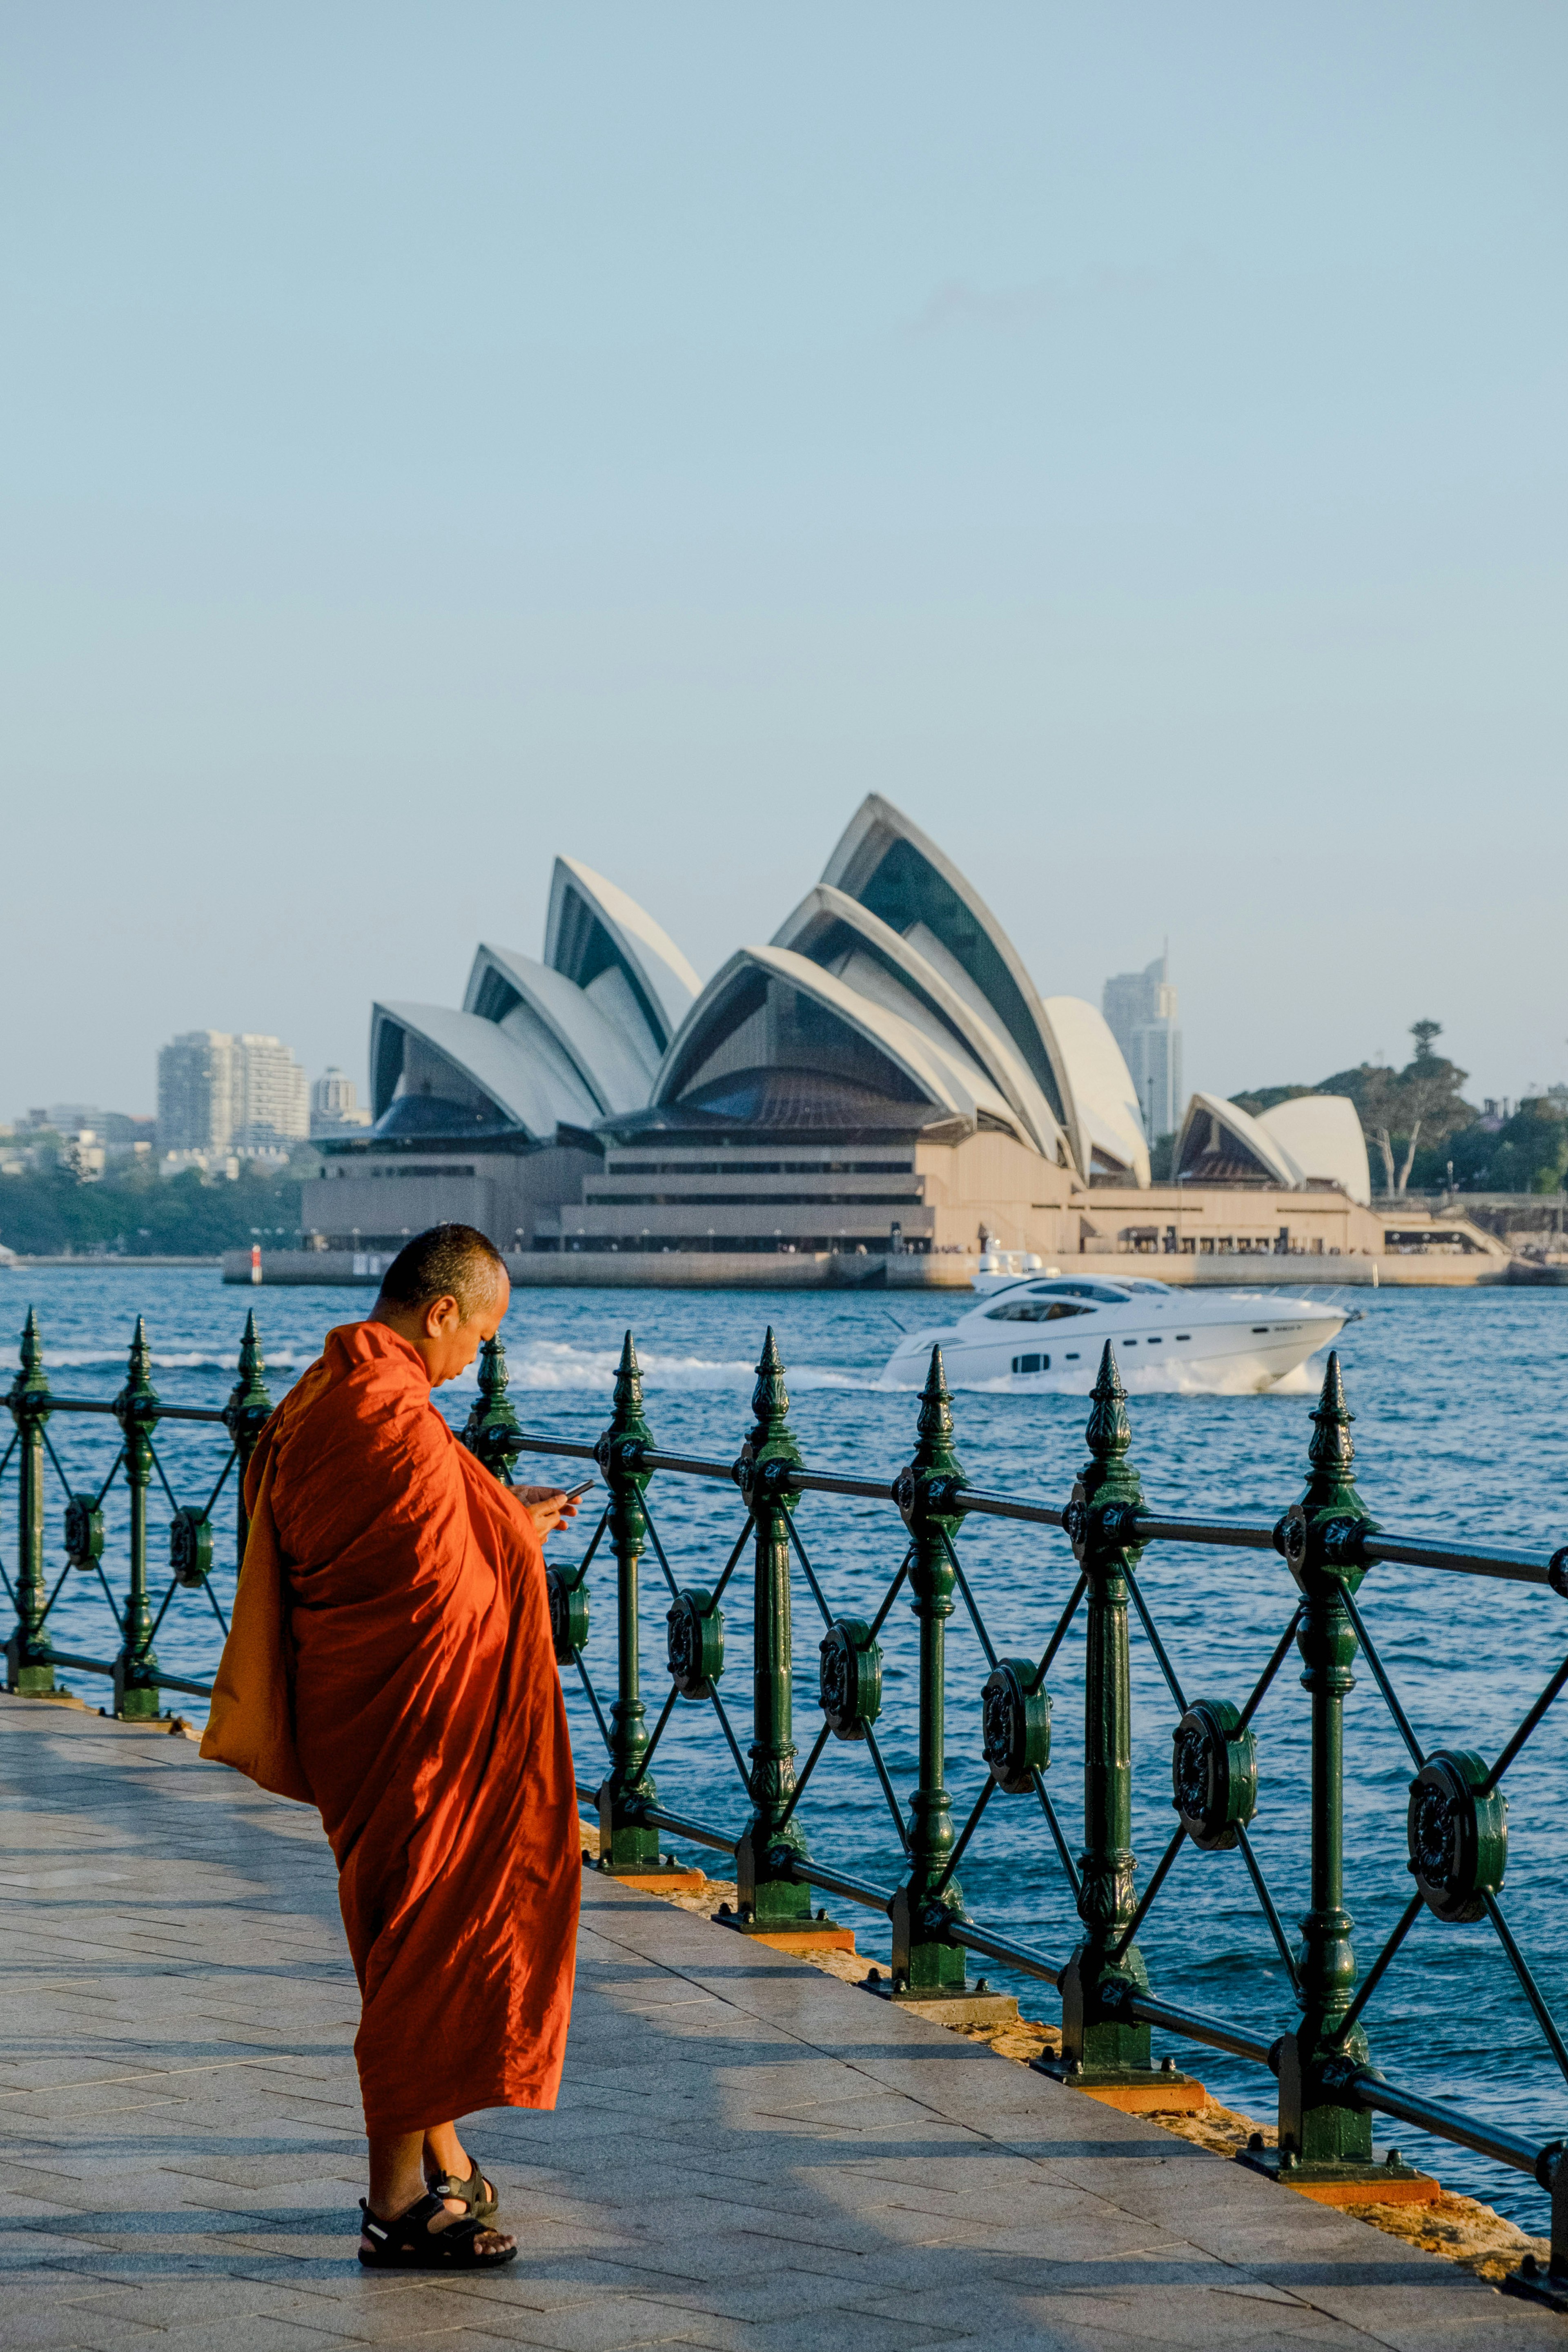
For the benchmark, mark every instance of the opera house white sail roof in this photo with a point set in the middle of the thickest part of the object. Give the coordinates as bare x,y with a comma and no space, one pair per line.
890,1001
1310,1139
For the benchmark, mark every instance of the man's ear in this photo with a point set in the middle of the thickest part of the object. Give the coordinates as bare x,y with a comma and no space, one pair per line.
437,1317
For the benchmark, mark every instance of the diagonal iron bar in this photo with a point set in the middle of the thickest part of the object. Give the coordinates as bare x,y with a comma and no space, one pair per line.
888,1790
1373,1976
55,1594
16,1440
222,1483
217,1612
733,1561
735,1743
1166,1668
1049,1812
807,1770
163,1609
114,1469
173,1500
800,1553
666,1711
1157,1880
658,1550
49,1450
1059,1636
593,1701
1266,1901
965,1834
1544,2016
1525,1729
1380,1674
961,1582
1260,1689
891,1594
107,1590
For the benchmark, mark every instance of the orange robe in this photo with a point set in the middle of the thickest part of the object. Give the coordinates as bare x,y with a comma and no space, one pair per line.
390,1661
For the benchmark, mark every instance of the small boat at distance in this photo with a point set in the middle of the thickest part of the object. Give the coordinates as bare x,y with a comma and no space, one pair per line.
1044,1334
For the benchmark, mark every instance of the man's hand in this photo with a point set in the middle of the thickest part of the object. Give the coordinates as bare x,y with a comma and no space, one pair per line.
548,1507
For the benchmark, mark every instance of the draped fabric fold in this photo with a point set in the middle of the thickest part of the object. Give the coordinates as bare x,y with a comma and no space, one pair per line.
390,1661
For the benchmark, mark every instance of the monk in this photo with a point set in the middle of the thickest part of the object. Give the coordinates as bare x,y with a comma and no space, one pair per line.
390,1663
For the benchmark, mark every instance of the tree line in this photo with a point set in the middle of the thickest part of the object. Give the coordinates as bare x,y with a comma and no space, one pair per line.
1417,1124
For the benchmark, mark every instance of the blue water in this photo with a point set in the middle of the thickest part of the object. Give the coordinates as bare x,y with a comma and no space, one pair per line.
1460,1435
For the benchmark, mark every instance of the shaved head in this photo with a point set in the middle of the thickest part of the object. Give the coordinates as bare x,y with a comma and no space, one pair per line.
447,1262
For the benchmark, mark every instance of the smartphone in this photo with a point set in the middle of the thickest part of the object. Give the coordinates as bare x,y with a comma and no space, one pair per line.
574,1492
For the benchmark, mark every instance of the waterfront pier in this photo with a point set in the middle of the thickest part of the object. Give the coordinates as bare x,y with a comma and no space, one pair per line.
747,2153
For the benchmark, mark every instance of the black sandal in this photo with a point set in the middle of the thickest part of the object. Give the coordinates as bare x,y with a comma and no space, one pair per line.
409,2243
477,2193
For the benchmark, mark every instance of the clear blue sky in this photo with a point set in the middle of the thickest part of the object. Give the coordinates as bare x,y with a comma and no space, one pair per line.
1131,437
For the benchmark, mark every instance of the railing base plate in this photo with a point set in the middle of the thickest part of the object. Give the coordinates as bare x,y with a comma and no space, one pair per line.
809,1936
1534,2284
963,2005
1347,2184
1151,2094
661,1878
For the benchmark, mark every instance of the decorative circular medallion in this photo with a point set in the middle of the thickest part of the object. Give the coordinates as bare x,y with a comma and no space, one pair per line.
568,1596
695,1642
84,1531
1459,1837
849,1678
190,1547
1015,1725
1213,1774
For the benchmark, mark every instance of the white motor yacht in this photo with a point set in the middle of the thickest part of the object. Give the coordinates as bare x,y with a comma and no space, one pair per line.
1046,1333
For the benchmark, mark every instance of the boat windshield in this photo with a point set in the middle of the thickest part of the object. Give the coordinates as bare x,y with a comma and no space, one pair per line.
1040,1302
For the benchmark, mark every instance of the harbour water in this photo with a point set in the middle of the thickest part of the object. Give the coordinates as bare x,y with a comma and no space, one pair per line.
1460,1433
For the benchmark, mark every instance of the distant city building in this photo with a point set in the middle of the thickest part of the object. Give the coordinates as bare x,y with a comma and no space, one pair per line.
195,1092
335,1105
219,1094
271,1097
1140,1010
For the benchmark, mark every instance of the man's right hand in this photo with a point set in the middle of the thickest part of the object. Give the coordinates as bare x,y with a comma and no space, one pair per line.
548,1507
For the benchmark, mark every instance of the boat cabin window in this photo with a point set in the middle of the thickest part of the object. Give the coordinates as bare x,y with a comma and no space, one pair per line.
1102,1291
1034,1310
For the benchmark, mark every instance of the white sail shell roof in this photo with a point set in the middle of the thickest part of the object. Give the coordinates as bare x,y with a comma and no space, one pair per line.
1322,1134
1104,1098
612,949
941,1074
841,936
534,1087
1216,1128
604,1058
889,866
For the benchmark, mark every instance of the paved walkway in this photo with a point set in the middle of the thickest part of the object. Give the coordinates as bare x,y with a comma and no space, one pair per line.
747,2153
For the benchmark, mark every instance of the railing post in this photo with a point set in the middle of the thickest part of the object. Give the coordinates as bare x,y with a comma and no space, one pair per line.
493,1427
925,1965
137,1697
247,1409
29,1658
767,1896
1101,2047
1321,2135
627,1846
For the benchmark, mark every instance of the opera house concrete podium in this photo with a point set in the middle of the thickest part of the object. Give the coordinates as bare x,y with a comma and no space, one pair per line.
882,1077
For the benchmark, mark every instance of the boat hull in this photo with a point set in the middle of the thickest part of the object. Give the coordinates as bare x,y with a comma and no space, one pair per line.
1222,1358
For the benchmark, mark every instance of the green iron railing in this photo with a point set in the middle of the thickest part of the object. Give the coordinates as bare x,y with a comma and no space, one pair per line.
1329,2089
31,1655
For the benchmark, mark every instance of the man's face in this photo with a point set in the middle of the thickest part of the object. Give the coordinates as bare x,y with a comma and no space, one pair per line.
448,1340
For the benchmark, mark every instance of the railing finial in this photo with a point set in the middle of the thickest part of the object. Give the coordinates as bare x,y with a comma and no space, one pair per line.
31,1378
1108,1432
770,1398
628,1397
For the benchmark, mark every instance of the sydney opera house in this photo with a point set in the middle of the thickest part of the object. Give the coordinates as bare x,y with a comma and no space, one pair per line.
883,1075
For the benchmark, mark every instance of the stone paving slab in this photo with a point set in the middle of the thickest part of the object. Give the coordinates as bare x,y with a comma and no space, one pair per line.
749,2156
